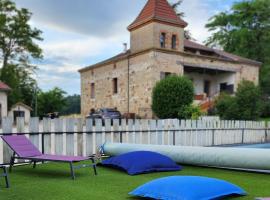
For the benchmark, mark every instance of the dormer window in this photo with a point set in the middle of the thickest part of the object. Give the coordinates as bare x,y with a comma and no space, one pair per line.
174,38
162,40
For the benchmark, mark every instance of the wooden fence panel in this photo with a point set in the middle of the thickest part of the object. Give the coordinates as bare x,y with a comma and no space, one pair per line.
116,129
7,127
34,130
145,133
80,136
70,128
98,134
108,131
90,145
124,129
59,138
47,137
153,132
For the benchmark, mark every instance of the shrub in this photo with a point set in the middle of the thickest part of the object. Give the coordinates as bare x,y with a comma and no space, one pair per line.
245,105
248,99
226,107
170,95
266,107
190,112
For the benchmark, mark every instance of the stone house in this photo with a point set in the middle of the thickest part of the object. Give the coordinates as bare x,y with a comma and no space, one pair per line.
3,100
157,49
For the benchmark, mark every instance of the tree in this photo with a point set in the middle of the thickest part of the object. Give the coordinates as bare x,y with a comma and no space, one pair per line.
73,105
17,47
175,6
17,37
245,31
170,95
51,101
22,84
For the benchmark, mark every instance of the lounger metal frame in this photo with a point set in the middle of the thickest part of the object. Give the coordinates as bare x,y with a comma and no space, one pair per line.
5,175
71,163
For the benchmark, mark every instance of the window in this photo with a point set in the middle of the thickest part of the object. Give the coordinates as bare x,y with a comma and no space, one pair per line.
92,90
174,41
115,86
162,40
225,87
18,113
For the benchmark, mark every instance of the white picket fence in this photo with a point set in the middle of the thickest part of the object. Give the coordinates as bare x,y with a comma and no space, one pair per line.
84,136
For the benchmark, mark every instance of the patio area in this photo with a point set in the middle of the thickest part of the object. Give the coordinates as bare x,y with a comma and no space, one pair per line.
52,181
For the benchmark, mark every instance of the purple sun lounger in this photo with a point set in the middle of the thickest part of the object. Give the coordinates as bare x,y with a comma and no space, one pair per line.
24,149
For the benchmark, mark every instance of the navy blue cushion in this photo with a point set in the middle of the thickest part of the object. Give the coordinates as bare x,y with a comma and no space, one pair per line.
187,188
139,162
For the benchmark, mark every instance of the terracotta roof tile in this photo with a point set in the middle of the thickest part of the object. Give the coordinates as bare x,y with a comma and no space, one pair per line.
159,10
222,54
3,86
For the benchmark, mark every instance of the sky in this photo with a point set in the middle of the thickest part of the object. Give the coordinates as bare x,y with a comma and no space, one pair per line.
83,32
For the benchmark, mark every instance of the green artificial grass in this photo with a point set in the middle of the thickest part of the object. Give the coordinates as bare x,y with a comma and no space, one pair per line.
52,181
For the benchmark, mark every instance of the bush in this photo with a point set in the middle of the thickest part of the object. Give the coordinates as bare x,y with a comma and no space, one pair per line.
226,107
190,112
170,95
246,105
248,99
265,107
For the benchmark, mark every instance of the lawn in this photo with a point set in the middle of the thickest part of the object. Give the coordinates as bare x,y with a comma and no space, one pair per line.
52,181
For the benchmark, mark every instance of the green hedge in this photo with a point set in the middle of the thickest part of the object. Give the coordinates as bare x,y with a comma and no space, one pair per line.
170,95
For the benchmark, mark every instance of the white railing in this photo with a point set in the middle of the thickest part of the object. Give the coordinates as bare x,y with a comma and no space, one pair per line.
83,137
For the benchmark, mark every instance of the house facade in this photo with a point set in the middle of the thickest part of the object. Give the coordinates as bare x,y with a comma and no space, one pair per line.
158,49
20,110
3,100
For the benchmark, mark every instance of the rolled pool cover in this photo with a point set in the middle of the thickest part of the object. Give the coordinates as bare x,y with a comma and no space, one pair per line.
227,157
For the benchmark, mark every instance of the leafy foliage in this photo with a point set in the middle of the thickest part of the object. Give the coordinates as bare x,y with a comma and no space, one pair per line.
248,98
72,106
23,85
226,107
190,112
17,47
246,105
51,101
245,31
170,95
175,6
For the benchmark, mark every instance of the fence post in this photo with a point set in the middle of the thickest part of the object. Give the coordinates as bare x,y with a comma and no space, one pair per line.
213,137
243,135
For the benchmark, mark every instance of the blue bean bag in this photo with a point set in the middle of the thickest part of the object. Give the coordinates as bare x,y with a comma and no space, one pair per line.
187,188
140,162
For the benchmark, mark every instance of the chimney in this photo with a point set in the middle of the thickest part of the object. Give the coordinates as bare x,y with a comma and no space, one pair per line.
125,47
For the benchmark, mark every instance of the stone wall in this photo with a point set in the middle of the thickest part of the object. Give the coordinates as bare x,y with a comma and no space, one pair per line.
148,36
102,77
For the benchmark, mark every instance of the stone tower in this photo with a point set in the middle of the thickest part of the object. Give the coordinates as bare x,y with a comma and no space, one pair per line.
157,26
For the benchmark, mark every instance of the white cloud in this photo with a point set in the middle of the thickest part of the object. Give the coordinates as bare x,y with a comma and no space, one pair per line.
82,32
